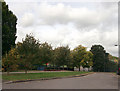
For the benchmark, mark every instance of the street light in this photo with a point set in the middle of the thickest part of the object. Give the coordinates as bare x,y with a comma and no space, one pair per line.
118,59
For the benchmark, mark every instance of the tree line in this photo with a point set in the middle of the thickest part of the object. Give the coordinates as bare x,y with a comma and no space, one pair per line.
30,52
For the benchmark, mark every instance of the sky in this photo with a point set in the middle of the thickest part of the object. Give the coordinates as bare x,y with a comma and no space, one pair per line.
68,23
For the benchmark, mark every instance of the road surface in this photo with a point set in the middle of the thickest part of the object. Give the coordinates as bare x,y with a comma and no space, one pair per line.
92,81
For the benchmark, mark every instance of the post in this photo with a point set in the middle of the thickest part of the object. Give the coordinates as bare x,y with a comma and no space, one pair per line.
104,62
118,57
118,62
118,42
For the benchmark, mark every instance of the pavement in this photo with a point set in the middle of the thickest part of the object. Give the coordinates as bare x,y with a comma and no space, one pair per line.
92,81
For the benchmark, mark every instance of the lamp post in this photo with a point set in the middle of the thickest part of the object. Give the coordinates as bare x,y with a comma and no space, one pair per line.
118,58
118,65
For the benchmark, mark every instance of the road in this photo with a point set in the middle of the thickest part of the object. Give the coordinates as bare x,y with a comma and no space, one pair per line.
92,81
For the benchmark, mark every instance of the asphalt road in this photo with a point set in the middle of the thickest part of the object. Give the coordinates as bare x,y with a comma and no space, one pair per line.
92,81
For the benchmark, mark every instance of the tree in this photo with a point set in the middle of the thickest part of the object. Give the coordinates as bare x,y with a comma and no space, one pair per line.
87,60
78,55
62,56
45,53
53,61
8,29
10,60
110,64
29,52
98,58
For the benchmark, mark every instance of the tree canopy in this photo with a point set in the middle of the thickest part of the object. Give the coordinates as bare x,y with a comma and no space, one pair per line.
87,60
45,53
78,55
10,60
9,21
62,56
28,51
99,56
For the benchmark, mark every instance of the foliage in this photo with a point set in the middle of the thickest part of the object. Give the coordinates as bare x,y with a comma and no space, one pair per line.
10,60
78,55
87,60
113,58
28,51
8,29
62,56
98,58
111,66
45,53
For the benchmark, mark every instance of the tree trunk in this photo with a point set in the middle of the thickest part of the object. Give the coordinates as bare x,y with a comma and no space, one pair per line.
58,68
63,67
79,68
46,66
8,72
73,68
67,67
54,66
25,71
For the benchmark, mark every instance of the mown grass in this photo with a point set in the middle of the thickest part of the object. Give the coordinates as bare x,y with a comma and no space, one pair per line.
23,76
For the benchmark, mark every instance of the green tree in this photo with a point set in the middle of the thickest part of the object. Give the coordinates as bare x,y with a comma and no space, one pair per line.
9,22
87,60
45,53
110,64
62,56
53,61
98,58
29,52
10,60
78,55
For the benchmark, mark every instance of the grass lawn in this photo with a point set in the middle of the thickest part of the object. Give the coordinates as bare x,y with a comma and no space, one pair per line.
23,76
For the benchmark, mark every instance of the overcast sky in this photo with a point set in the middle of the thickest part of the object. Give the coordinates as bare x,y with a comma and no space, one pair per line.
69,23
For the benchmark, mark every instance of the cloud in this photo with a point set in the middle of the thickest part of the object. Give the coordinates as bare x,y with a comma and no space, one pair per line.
66,24
27,20
52,14
82,17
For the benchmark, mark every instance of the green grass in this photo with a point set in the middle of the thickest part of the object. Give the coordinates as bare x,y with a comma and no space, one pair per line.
23,76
